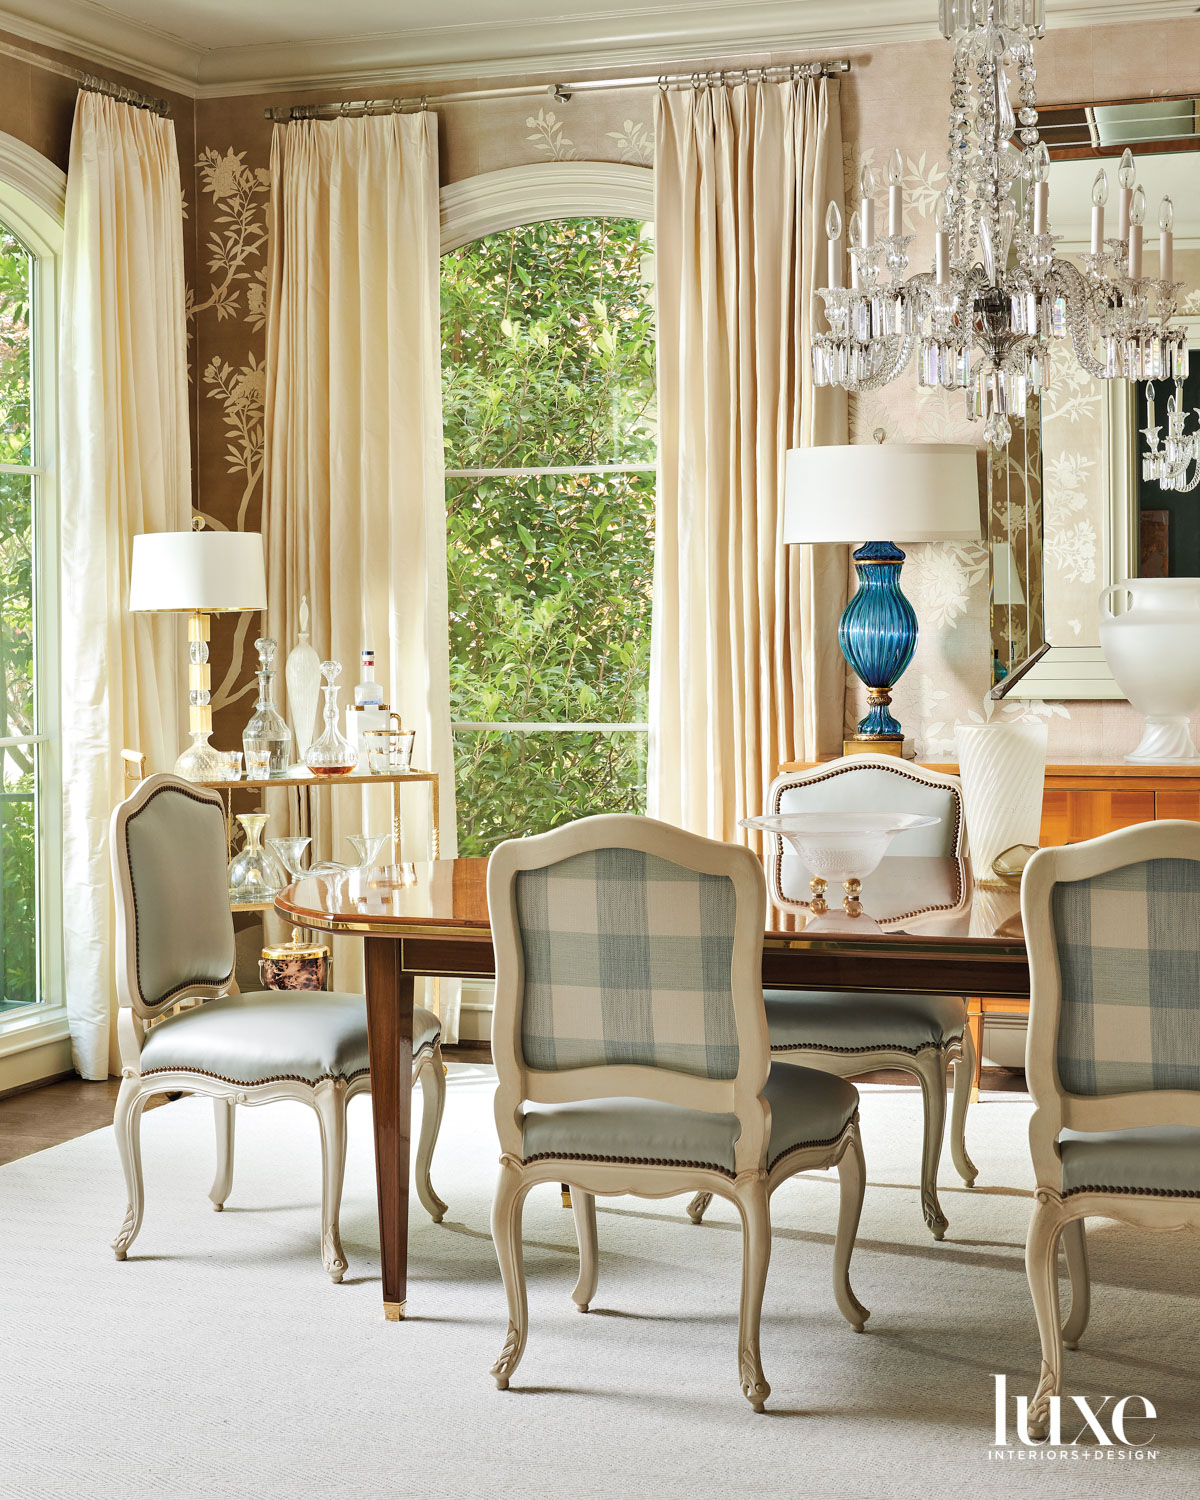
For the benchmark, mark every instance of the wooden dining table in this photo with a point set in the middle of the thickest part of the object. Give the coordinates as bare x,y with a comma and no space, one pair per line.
924,928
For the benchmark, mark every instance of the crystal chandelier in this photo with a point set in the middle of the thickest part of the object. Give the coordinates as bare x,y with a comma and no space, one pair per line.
1167,465
983,319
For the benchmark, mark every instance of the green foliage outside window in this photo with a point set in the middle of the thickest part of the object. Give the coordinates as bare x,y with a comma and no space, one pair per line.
18,820
548,360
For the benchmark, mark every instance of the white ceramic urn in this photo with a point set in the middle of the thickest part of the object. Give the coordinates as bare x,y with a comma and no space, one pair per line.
1153,648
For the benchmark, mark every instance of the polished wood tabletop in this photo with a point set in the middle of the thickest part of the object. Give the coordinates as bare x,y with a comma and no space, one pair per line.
923,920
924,928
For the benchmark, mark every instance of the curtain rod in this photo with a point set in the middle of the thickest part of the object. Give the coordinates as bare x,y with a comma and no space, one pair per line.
122,94
562,92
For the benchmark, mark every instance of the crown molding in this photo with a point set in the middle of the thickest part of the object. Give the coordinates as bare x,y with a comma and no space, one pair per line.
567,45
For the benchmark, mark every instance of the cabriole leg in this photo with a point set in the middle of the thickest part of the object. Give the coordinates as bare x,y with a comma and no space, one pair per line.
432,1078
755,1209
1075,1244
852,1176
506,1234
584,1205
964,1082
224,1117
127,1127
1041,1267
930,1068
329,1101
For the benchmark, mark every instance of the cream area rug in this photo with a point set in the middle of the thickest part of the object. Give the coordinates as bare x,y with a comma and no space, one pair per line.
219,1360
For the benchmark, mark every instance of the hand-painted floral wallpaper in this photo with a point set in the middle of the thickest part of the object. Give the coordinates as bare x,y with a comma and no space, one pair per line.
895,95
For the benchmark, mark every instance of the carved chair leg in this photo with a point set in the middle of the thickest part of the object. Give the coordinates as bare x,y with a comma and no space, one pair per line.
127,1127
697,1207
506,1234
224,1116
964,1081
1041,1267
432,1078
329,1101
930,1068
584,1205
852,1175
1075,1245
755,1209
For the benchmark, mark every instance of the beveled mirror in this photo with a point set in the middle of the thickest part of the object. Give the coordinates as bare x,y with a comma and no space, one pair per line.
1071,508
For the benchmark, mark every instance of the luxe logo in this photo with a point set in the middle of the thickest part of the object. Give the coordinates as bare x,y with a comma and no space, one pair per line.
1106,1428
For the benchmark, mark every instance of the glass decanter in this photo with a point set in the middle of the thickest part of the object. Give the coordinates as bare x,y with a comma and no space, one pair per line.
267,730
255,875
332,754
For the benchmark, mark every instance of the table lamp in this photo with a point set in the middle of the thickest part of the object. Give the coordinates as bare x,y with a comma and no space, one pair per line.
920,492
201,573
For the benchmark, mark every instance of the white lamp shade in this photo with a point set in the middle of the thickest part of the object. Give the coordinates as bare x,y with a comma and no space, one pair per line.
211,571
894,492
1006,581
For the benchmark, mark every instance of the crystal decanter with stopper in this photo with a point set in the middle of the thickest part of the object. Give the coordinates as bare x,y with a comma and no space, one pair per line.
255,874
267,730
332,754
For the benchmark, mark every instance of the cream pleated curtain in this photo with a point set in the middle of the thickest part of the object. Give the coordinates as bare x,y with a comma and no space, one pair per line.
354,506
125,467
746,670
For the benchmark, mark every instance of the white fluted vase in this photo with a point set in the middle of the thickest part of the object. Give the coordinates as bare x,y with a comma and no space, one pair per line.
1003,772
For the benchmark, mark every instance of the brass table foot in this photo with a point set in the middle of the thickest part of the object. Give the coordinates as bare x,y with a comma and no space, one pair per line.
394,1311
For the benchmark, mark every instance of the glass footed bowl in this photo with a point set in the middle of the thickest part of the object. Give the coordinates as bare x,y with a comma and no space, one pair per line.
839,845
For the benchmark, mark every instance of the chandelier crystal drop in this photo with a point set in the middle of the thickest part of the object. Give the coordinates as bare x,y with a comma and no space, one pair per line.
984,318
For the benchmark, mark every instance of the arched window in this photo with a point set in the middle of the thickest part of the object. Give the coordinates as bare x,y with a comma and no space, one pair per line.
31,211
551,447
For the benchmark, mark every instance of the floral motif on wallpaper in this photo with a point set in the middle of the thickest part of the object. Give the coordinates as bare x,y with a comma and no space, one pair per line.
1074,499
635,140
234,208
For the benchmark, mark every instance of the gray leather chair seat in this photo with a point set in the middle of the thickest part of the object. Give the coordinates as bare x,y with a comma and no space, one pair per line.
1156,1158
807,1107
850,1023
271,1034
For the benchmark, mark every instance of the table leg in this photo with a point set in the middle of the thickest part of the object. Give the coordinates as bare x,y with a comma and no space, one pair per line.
389,1041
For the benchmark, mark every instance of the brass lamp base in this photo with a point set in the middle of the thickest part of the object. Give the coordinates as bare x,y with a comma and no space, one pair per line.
892,744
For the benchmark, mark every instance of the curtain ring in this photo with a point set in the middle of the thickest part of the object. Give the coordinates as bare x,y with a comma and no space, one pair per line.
424,101
662,83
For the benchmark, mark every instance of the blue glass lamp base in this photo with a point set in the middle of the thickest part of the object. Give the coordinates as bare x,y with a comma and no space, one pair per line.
878,635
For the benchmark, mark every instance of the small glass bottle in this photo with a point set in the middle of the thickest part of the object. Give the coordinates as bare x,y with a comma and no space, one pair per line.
332,754
267,730
368,693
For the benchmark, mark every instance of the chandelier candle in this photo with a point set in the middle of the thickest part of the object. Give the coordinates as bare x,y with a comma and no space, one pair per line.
984,318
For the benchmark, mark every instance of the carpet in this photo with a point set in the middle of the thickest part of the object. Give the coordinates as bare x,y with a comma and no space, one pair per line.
219,1360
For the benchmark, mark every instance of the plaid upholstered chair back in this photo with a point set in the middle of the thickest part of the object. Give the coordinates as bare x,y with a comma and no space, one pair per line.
627,959
1128,945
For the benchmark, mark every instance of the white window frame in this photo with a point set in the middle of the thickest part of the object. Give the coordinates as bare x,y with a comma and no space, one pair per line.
488,204
32,204
508,199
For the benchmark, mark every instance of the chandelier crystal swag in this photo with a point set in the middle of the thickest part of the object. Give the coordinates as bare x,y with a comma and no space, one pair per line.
983,319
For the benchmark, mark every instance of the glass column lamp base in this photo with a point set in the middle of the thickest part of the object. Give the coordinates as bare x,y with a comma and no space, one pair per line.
200,762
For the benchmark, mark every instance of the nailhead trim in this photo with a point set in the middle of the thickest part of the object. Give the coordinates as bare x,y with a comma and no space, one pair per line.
1137,1192
657,1161
278,1077
852,1051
